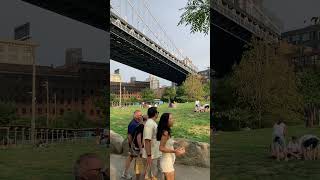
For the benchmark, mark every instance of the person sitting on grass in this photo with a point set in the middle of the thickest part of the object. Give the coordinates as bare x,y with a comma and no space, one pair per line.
293,149
278,145
310,147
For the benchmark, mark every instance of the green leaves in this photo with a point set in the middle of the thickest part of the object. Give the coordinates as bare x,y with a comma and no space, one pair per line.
169,94
148,95
193,88
7,113
197,15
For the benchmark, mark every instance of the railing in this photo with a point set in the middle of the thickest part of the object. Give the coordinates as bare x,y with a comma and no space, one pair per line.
21,135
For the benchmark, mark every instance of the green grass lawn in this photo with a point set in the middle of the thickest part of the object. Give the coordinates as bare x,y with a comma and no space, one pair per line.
52,163
244,155
188,124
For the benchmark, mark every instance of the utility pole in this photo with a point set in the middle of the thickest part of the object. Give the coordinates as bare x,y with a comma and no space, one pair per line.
55,105
33,123
120,94
46,85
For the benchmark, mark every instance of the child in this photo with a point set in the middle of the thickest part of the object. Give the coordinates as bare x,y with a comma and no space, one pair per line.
294,150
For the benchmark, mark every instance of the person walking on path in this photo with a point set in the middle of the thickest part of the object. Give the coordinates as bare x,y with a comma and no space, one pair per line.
166,146
151,153
137,119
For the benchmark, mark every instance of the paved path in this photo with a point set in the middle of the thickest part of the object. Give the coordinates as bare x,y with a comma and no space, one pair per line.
182,172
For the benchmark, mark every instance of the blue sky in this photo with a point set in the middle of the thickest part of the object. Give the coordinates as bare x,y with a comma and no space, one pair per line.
195,46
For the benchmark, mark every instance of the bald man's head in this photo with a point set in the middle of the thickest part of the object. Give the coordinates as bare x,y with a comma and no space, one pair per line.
89,167
137,115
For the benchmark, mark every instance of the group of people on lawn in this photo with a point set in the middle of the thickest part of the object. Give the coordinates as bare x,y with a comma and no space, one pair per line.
306,147
151,146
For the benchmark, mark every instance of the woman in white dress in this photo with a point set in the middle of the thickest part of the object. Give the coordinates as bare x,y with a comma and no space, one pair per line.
166,146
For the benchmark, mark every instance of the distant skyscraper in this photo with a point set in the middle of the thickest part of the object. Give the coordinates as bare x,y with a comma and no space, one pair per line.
154,82
133,79
116,77
73,56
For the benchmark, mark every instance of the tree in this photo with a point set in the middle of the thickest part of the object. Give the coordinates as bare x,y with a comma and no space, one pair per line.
169,94
112,97
133,99
76,120
193,87
309,85
266,85
197,14
181,95
315,20
147,95
7,113
206,90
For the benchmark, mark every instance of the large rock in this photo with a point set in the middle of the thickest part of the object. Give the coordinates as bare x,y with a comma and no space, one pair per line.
197,153
125,147
115,143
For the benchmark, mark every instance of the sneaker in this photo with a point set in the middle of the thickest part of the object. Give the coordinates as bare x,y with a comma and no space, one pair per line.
126,176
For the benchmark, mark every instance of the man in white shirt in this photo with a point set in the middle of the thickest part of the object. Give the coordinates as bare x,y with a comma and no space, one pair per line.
151,152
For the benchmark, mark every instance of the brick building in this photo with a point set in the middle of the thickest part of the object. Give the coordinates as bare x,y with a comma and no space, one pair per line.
129,89
307,42
76,86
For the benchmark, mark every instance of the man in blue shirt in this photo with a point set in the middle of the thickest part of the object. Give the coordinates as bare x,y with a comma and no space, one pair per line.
137,119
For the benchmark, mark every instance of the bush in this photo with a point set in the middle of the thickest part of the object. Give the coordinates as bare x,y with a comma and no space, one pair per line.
7,113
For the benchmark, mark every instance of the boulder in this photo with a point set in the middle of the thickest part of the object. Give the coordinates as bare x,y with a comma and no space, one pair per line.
116,141
197,153
125,147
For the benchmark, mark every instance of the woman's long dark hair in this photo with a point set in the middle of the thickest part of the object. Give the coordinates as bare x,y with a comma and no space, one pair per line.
163,125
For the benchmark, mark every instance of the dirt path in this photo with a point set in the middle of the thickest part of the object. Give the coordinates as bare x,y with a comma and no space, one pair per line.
182,172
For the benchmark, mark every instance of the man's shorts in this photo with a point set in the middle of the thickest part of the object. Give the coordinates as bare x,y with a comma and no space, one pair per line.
279,141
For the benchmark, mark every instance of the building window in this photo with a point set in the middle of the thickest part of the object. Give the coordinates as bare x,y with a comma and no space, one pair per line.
306,37
91,112
53,111
24,110
295,38
39,110
69,101
91,92
82,101
98,111
75,100
69,109
30,110
83,92
61,101
17,110
61,111
83,111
